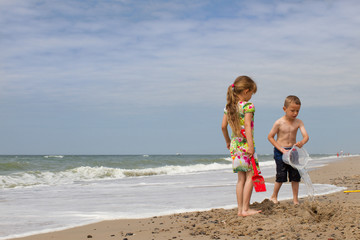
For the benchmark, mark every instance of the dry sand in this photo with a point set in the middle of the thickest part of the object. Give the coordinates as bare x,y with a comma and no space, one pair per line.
333,216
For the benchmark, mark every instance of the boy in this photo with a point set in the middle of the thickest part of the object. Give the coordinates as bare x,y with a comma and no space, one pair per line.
286,129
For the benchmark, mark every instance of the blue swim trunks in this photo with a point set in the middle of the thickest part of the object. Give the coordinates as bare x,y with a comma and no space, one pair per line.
283,170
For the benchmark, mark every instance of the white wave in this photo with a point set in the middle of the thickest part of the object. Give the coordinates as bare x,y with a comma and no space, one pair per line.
28,179
262,164
173,170
54,156
267,164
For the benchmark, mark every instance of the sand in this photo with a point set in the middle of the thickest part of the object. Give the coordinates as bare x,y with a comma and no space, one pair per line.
333,216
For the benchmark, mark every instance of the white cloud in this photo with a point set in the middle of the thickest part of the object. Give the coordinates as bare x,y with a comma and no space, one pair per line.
111,53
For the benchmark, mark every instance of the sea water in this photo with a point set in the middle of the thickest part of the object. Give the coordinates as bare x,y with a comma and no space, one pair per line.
46,193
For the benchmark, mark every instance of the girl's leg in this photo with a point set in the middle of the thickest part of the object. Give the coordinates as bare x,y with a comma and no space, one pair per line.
239,191
248,188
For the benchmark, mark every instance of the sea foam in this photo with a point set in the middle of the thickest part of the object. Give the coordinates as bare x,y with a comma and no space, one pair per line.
34,178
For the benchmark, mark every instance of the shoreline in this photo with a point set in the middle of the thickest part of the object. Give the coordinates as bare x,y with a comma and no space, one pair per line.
325,218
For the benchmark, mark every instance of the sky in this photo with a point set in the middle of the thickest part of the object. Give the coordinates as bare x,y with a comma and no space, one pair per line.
150,77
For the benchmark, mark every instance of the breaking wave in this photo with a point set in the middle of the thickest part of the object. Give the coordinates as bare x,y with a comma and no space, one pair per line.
79,174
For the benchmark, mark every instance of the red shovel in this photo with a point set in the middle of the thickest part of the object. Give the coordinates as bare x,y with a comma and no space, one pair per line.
258,181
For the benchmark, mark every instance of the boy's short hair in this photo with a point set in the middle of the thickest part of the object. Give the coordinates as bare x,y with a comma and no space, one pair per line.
292,99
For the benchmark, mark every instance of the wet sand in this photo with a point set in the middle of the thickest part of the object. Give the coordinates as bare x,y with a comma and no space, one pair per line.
330,217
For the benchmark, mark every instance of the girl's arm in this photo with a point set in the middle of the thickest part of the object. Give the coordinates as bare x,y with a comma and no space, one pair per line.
248,133
224,129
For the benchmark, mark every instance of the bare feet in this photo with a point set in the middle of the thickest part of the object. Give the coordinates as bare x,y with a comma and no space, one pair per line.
249,212
274,200
296,202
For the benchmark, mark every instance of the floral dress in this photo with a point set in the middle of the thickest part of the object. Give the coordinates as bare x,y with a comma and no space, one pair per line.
238,146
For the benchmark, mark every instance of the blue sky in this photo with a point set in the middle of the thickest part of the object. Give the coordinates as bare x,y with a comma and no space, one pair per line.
150,77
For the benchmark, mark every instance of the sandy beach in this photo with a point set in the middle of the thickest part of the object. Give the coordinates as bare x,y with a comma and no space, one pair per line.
333,216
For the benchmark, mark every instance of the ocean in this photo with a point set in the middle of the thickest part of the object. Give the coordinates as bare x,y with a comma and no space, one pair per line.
45,193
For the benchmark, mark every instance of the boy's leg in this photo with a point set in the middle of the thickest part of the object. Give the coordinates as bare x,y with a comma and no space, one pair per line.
281,175
240,190
274,196
295,190
294,177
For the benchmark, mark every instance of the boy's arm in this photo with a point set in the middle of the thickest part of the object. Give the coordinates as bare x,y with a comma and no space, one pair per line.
305,139
224,129
271,137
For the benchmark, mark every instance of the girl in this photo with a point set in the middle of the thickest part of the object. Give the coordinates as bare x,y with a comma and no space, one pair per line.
239,114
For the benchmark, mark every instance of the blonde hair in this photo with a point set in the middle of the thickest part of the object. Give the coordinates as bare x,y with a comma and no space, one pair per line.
240,84
291,99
